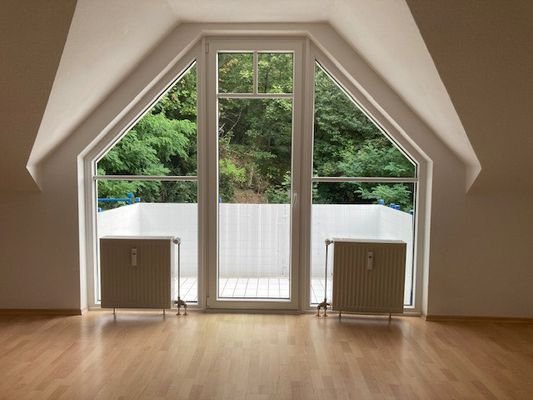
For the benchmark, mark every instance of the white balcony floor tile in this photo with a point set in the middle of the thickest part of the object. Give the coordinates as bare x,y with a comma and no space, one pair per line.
268,288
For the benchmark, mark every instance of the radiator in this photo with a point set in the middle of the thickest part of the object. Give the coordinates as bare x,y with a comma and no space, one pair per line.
136,272
368,276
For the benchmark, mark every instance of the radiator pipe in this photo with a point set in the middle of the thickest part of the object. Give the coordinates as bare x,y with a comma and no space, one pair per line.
179,302
325,303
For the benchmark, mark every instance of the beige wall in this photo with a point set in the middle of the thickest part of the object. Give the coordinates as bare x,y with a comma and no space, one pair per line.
39,263
32,37
478,264
482,51
484,265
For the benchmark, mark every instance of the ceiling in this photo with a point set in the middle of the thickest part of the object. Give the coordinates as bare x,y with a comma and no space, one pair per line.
446,60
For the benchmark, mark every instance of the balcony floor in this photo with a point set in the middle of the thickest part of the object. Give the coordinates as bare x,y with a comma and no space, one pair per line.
269,288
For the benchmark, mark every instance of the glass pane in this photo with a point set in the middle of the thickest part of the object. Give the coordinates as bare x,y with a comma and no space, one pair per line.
163,141
235,73
275,72
255,138
254,198
360,211
346,141
154,208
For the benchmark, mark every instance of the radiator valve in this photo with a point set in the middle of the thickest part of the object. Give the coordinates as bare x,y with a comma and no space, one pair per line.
323,305
181,303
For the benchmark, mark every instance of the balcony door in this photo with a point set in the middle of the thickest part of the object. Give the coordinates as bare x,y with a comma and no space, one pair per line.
254,98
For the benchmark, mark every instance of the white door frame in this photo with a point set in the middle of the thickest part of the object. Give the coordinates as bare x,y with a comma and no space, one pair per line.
213,45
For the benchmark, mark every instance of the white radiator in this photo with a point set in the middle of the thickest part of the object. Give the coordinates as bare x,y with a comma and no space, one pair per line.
136,272
368,276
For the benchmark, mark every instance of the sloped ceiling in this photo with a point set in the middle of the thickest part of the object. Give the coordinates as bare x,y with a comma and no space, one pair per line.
32,36
386,35
108,38
483,51
106,41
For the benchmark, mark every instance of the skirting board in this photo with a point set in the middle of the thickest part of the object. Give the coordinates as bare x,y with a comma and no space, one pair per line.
474,318
41,311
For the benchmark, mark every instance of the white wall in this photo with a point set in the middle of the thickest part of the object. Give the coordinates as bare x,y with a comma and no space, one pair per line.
484,266
39,246
479,261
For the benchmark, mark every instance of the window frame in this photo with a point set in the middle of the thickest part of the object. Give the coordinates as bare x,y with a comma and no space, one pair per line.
342,65
373,111
107,140
257,44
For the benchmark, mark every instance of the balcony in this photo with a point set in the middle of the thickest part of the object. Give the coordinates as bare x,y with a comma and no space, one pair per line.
253,248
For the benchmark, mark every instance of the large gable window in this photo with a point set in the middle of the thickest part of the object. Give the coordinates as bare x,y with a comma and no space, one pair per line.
254,154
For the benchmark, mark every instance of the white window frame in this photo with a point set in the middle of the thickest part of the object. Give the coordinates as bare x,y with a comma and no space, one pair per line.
214,45
318,59
312,49
391,131
115,134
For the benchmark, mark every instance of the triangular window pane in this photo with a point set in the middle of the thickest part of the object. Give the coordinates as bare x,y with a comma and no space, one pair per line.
347,142
164,141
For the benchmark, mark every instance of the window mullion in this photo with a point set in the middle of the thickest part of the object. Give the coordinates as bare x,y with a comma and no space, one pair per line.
170,178
256,72
369,179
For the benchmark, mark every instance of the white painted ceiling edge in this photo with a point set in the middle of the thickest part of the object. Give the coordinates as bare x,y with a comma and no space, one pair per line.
107,39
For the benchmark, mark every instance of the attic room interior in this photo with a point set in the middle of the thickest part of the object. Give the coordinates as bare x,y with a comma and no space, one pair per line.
337,191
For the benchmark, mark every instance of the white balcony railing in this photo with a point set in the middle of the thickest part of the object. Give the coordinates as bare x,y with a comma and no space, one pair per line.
255,238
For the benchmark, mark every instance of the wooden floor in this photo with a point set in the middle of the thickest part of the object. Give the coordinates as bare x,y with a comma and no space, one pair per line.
245,356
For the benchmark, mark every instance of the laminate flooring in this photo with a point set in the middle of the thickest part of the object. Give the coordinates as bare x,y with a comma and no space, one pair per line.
142,355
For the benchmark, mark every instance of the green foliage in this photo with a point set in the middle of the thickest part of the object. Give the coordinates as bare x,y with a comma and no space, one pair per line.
280,194
231,177
400,194
180,101
275,72
255,142
163,142
154,146
374,159
235,73
117,189
256,136
348,143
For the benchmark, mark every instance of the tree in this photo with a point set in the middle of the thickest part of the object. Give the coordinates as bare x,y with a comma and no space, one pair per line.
255,141
255,135
162,142
348,143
